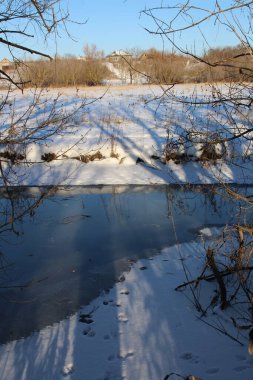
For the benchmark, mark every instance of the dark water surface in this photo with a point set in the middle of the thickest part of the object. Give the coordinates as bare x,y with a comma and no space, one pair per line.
81,239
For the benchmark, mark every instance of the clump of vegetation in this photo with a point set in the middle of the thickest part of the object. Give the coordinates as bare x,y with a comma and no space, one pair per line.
90,157
14,157
209,152
114,155
231,64
175,155
175,150
226,64
48,157
163,67
188,147
228,267
65,72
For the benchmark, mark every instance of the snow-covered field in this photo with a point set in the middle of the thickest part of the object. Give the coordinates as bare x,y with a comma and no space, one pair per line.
127,125
142,329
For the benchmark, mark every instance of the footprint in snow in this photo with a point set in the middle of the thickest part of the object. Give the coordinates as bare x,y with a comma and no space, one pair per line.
111,358
190,356
89,332
186,356
115,304
122,317
124,291
67,370
85,318
126,355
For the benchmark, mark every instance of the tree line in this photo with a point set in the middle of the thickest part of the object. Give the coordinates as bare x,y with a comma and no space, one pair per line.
228,64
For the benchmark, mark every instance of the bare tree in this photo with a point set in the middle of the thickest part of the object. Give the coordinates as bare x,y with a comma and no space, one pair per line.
94,68
24,21
174,21
92,53
21,23
229,112
228,105
56,73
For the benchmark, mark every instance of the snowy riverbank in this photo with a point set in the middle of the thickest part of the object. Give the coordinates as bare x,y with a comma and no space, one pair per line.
120,139
141,329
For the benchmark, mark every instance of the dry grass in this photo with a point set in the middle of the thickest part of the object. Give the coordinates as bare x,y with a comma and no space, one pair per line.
159,68
65,72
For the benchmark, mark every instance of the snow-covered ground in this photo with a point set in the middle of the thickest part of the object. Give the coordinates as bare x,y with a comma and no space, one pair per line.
142,329
128,125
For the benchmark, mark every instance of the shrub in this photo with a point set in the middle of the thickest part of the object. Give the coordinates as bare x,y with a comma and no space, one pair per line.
65,72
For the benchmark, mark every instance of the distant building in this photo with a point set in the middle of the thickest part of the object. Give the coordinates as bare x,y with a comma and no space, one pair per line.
7,66
81,58
117,55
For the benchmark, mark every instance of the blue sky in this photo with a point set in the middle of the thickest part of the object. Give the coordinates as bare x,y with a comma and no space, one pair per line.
111,25
118,24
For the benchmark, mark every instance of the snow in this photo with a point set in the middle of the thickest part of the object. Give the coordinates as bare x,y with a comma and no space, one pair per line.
123,76
113,69
125,124
141,329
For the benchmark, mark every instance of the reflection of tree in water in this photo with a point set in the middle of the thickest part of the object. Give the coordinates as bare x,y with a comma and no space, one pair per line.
15,205
18,202
187,199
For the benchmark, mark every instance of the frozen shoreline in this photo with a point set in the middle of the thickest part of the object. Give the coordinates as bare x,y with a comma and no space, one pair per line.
110,173
141,329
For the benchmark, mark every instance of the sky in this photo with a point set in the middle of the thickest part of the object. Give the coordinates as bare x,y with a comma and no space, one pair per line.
119,24
110,24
